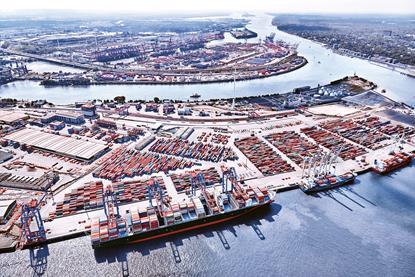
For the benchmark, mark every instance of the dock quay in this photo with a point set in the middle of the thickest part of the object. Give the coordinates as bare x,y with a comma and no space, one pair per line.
165,159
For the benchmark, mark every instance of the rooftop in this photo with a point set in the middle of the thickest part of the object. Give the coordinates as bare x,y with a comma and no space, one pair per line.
78,149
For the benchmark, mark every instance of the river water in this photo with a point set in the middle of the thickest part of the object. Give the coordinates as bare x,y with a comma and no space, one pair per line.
323,67
366,229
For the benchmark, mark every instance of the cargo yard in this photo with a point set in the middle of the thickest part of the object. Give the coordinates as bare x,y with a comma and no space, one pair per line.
170,57
74,168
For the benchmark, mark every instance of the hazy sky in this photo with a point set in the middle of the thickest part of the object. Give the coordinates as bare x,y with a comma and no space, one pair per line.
165,6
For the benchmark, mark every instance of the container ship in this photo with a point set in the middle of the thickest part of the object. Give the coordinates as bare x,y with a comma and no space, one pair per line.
214,205
398,160
326,182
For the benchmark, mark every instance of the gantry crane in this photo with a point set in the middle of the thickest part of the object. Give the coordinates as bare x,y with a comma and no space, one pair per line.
30,212
228,177
155,191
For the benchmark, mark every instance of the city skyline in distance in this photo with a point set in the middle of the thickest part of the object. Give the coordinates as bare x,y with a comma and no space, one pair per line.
188,6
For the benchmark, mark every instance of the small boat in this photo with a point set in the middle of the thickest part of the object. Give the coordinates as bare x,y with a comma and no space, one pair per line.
195,95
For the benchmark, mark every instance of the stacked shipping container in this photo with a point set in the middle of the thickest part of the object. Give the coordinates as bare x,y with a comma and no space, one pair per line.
334,143
293,145
263,157
199,150
129,163
182,182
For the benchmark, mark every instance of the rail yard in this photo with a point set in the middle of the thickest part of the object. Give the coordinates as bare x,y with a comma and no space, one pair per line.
77,168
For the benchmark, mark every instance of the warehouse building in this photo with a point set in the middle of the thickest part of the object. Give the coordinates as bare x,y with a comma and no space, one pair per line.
42,183
64,146
12,117
66,117
89,110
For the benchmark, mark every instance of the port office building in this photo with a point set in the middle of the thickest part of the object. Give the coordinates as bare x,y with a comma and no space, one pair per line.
65,146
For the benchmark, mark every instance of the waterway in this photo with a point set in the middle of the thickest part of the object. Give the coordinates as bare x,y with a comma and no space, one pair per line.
42,67
323,67
366,229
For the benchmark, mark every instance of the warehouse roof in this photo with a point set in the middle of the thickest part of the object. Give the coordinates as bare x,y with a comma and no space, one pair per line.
4,156
68,146
10,117
6,206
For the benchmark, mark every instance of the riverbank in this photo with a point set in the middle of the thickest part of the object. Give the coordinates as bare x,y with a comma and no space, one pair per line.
74,83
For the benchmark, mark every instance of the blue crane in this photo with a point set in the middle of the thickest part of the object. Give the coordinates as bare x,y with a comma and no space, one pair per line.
154,188
110,201
228,177
31,211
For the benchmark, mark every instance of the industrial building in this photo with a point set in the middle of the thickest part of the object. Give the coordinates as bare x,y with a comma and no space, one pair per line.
106,124
5,75
89,110
5,156
66,117
6,208
12,117
65,146
42,183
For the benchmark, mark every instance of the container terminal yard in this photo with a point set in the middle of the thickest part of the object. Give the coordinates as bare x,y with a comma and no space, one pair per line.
126,172
150,58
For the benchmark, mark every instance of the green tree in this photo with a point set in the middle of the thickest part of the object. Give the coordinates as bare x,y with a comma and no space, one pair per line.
119,99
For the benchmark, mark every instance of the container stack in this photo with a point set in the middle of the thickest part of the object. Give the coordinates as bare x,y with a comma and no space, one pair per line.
83,198
103,229
386,127
259,196
333,142
182,182
200,211
293,145
130,163
263,157
95,231
192,150
355,132
133,191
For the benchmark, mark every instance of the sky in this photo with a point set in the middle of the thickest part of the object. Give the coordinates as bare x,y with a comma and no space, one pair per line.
175,6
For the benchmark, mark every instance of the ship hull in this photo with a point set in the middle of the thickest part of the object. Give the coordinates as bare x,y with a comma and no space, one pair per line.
328,186
392,168
180,227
